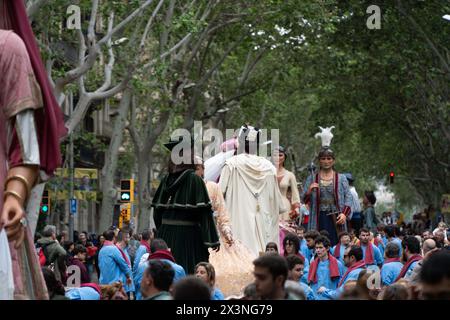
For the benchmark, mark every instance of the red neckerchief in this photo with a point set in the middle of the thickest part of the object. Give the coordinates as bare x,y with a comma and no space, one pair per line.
110,243
337,250
146,245
369,258
357,265
162,254
391,260
413,258
334,269
124,256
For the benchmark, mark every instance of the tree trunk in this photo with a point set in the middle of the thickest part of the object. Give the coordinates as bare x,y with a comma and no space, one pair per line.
144,164
109,169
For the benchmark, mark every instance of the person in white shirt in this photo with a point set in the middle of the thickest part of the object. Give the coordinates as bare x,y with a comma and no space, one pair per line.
355,216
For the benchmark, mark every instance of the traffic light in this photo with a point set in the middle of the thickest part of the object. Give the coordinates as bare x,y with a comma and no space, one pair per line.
391,177
127,190
45,203
125,211
125,214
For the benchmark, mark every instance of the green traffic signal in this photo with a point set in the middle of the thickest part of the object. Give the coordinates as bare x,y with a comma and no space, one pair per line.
44,208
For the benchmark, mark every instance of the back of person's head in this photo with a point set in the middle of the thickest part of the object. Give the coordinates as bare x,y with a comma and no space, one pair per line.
392,250
428,245
324,233
435,276
381,227
294,289
79,248
276,264
370,195
311,234
109,234
390,231
250,292
357,252
49,230
191,288
158,244
67,244
324,241
54,286
59,237
395,291
361,285
162,274
120,236
293,260
350,291
146,234
398,231
412,244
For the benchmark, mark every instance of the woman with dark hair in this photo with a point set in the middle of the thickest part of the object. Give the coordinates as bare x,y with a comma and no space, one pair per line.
287,183
370,218
291,245
271,247
55,287
206,272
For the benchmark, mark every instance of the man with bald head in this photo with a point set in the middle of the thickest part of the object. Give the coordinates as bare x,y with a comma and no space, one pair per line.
429,246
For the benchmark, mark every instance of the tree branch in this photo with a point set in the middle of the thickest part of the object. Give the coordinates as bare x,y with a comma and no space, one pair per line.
425,36
149,23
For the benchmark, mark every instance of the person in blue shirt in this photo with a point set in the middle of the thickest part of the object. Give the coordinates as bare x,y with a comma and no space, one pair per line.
206,272
296,265
392,265
411,256
381,231
157,280
372,256
325,270
291,245
123,238
355,264
112,263
160,251
310,237
143,248
303,246
338,250
391,234
83,293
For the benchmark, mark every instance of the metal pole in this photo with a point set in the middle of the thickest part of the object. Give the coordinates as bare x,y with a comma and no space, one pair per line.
71,172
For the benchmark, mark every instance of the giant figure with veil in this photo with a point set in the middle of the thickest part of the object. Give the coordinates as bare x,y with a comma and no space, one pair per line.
30,131
327,192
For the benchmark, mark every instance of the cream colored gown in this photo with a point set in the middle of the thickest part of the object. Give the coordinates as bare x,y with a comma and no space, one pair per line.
253,200
233,264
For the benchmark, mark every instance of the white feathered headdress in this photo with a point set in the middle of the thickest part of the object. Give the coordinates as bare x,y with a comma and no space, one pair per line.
325,135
